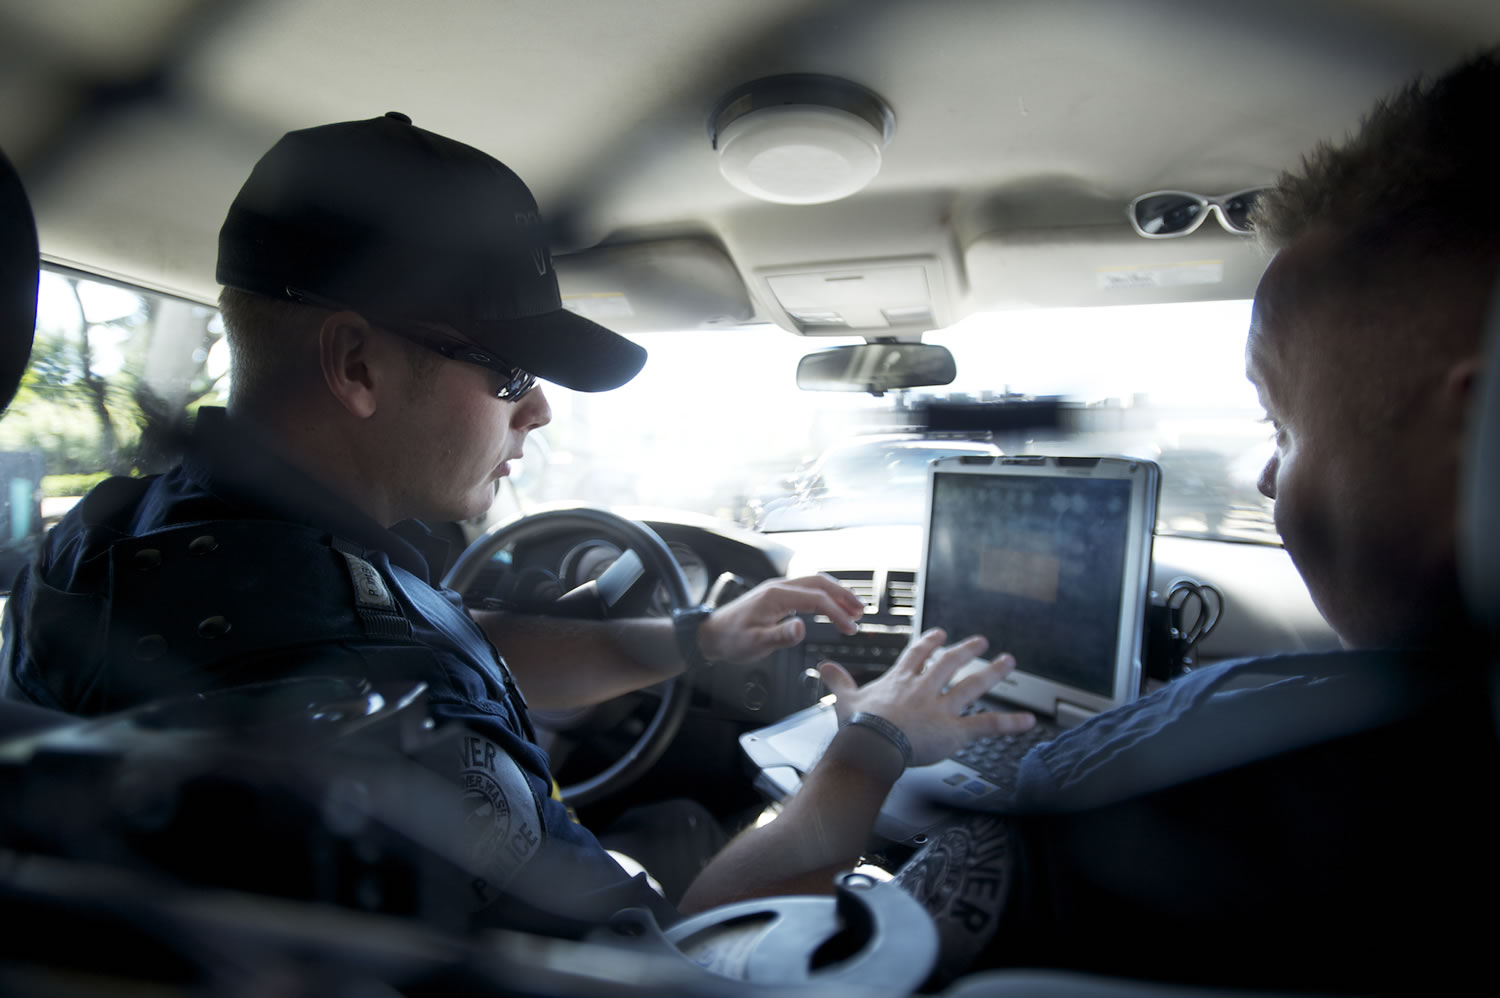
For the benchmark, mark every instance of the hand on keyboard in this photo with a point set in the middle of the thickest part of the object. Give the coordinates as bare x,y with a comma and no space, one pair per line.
998,758
915,696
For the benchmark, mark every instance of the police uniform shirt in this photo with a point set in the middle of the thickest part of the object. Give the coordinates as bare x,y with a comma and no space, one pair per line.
236,567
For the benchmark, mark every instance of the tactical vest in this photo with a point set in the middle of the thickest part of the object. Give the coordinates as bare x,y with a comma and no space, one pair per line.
206,605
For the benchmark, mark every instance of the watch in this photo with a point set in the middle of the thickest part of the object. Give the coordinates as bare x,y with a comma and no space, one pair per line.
685,624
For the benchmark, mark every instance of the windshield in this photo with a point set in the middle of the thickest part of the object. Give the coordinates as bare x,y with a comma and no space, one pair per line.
881,464
716,425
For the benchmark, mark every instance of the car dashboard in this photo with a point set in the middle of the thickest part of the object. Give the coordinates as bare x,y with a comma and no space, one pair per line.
1266,607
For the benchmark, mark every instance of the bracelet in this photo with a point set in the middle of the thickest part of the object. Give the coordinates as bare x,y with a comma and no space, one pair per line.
884,729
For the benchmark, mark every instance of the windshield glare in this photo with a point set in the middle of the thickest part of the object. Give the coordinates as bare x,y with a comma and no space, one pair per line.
715,423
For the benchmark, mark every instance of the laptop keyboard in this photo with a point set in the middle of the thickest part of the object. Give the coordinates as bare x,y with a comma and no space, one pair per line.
997,758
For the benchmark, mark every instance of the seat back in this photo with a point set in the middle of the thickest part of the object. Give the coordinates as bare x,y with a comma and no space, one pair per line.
1479,538
19,262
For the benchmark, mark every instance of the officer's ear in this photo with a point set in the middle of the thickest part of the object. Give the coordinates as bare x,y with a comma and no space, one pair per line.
348,351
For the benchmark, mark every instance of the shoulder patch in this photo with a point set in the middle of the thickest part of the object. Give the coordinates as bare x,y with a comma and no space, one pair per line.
503,824
370,590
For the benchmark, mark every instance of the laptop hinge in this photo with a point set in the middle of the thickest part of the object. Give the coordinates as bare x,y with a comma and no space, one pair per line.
1071,714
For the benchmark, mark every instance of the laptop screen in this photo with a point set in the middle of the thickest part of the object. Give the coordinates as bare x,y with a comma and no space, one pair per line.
1034,563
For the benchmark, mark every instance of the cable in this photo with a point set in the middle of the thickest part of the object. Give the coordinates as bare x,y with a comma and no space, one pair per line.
1196,608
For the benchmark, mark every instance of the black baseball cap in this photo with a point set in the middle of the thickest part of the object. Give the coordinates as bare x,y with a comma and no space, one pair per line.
383,216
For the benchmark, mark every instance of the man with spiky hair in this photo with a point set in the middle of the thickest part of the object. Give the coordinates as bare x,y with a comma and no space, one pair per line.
1307,821
1365,345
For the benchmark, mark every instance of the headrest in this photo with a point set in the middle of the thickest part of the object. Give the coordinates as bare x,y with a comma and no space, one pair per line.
1479,539
19,262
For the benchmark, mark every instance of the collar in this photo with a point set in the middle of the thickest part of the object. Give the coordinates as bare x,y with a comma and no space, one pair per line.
240,466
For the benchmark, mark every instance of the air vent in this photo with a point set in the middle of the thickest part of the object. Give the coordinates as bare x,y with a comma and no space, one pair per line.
901,594
861,584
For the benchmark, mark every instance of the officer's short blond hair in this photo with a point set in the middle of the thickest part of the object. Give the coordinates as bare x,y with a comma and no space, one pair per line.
273,345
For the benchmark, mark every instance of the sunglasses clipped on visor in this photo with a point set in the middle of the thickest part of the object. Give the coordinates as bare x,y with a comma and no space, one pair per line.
1164,214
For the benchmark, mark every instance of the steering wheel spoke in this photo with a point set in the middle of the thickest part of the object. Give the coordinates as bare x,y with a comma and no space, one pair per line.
624,590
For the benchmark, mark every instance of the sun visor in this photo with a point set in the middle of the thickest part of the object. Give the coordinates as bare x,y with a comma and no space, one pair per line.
1097,265
654,286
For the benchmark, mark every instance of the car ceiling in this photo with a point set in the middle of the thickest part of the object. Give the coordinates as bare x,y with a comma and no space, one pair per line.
1022,128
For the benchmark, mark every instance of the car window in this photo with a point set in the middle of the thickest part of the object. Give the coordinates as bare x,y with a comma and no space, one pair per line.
115,374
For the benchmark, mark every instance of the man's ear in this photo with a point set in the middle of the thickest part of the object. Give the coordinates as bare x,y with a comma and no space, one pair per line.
345,348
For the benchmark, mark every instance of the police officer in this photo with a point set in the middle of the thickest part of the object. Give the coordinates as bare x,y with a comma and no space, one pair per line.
390,306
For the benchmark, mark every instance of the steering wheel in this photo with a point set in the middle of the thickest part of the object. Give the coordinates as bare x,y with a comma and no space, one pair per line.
619,593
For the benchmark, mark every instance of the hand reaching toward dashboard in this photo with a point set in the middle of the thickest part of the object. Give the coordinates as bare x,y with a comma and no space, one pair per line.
916,697
759,622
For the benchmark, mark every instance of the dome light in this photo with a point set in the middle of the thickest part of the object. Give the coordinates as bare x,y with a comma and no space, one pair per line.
800,139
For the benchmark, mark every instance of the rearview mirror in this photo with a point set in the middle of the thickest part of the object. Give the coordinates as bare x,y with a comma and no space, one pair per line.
876,368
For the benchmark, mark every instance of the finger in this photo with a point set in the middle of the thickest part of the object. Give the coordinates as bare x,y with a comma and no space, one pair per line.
785,598
991,723
915,657
837,678
826,583
782,635
840,592
949,660
974,686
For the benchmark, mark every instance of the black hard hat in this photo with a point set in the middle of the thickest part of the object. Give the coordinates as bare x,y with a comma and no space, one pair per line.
382,215
19,263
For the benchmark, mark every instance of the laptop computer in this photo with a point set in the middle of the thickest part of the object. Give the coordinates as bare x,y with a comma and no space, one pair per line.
1049,558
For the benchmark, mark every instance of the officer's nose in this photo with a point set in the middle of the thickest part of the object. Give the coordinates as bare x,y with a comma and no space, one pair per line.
532,411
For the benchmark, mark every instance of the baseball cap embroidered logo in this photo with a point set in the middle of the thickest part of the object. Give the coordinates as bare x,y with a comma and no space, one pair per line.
411,225
539,255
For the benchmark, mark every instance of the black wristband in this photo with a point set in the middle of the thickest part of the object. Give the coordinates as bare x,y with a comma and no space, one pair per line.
885,729
685,624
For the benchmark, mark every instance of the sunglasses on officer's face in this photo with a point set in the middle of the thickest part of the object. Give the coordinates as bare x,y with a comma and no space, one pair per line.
515,383
1164,214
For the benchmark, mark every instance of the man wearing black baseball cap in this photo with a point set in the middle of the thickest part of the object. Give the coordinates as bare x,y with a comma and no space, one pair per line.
411,225
390,306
